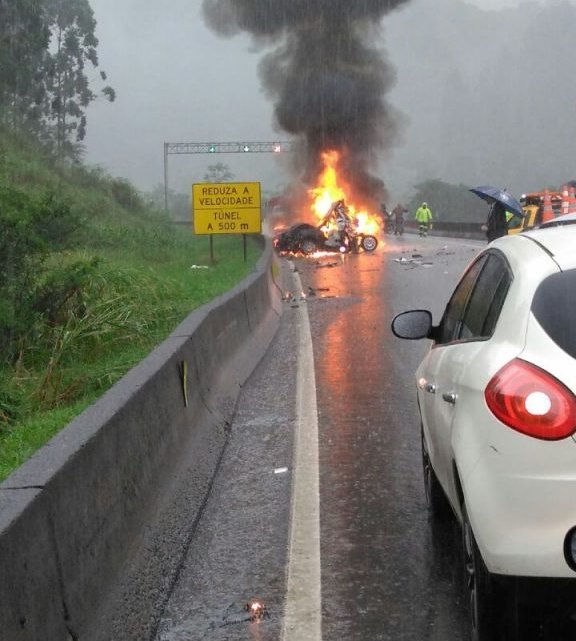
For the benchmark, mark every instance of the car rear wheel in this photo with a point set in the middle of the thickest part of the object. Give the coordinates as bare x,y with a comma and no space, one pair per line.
496,611
307,246
436,500
485,608
369,243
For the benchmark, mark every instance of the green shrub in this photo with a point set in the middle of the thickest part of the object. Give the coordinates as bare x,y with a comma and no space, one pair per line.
125,194
91,279
32,229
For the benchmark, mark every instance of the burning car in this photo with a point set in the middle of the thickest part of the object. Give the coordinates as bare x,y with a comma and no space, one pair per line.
337,232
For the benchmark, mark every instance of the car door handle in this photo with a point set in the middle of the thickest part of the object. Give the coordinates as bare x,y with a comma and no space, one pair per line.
430,388
449,397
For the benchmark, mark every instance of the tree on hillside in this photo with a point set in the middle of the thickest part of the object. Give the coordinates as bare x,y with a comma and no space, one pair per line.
73,46
218,173
449,203
46,47
179,206
24,38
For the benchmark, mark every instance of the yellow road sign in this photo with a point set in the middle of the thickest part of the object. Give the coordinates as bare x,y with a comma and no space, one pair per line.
226,208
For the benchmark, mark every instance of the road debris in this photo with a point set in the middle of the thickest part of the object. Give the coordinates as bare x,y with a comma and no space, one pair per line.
293,299
257,610
313,291
413,262
253,611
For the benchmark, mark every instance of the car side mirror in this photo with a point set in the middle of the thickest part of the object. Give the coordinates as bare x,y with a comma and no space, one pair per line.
413,325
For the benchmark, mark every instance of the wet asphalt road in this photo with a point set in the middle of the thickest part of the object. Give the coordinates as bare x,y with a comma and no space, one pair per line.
385,575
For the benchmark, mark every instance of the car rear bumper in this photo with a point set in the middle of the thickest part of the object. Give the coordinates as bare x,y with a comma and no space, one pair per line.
521,519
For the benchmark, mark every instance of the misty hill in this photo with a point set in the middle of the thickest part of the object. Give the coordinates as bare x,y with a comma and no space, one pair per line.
486,94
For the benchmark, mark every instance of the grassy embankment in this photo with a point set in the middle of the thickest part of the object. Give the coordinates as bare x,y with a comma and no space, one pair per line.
92,278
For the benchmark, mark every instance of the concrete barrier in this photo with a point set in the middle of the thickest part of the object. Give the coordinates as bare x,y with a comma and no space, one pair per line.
94,527
450,229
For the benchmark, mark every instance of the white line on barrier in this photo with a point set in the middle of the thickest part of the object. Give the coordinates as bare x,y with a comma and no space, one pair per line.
303,612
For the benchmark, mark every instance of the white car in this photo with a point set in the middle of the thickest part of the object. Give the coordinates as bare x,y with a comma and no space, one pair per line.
563,219
497,399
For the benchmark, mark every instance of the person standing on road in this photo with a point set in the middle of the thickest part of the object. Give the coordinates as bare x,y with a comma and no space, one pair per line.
398,214
424,219
386,218
497,222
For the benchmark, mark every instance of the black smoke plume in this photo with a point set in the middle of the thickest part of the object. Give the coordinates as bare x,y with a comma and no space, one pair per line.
327,78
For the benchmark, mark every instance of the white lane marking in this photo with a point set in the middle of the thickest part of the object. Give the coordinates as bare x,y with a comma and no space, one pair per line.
302,611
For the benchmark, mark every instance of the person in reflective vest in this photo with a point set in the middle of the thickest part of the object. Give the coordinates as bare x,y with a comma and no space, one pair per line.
424,219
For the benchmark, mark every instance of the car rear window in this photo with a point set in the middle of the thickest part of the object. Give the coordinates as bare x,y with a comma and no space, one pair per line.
554,306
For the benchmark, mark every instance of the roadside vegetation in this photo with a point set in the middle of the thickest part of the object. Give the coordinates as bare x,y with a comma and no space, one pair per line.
91,279
92,274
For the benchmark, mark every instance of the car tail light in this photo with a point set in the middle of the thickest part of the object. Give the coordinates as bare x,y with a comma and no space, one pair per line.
530,400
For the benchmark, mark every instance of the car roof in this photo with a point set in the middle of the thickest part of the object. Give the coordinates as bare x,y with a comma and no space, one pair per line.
564,219
557,241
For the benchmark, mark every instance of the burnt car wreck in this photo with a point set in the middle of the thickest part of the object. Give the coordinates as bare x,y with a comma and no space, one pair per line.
337,232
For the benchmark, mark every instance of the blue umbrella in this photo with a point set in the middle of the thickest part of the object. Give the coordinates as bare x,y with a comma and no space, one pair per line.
493,194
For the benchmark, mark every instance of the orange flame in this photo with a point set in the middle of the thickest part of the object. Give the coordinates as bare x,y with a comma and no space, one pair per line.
331,187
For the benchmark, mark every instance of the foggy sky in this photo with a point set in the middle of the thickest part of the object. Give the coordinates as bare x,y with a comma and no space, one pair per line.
179,82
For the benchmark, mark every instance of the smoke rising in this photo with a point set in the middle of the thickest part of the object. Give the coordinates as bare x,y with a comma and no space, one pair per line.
325,75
